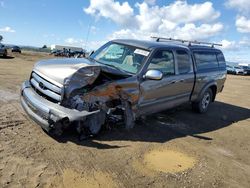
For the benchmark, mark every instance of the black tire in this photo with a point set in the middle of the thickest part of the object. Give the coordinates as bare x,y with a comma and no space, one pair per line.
202,105
5,53
128,116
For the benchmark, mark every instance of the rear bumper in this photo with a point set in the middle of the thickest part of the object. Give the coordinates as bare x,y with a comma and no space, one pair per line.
48,114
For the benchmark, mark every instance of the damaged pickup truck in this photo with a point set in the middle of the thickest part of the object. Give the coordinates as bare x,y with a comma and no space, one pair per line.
120,82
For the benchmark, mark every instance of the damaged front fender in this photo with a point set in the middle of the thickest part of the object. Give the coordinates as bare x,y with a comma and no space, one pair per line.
114,100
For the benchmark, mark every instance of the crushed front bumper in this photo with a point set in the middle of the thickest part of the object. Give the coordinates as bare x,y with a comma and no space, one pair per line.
48,114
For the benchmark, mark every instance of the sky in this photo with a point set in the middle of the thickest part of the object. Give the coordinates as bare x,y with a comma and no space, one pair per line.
91,23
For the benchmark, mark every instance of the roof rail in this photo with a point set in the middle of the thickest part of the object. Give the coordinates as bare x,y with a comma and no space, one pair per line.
190,42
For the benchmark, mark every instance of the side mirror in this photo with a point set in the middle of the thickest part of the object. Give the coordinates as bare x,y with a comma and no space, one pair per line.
153,75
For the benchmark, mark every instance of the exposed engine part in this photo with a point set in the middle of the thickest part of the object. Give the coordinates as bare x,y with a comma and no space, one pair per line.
77,103
110,111
95,122
102,94
92,124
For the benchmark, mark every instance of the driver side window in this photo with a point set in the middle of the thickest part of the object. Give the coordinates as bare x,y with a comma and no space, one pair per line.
163,60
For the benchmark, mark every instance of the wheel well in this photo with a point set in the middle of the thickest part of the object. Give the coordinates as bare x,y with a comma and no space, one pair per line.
214,91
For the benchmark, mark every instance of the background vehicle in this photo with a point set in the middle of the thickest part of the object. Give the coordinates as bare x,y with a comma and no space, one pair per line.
79,54
56,52
16,49
68,53
239,70
230,69
246,69
121,81
3,50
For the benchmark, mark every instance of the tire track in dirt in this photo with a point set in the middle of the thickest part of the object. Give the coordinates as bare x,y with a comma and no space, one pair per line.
7,96
17,166
66,161
21,169
23,172
10,115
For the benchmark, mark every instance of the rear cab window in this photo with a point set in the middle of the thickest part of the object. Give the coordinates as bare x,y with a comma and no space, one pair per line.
221,59
205,60
183,61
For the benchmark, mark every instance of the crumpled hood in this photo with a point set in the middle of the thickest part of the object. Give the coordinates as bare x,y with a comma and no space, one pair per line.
60,69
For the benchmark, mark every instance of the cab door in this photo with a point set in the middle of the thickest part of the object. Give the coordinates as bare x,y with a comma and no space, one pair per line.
157,95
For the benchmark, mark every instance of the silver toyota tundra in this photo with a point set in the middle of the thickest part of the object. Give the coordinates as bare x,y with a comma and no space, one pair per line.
121,81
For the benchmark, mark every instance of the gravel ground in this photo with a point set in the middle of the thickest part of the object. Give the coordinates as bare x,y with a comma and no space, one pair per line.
175,148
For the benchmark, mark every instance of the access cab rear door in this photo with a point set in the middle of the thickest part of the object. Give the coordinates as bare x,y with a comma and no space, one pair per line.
176,85
210,70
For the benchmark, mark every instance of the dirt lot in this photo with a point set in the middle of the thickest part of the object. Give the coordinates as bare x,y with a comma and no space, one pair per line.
176,148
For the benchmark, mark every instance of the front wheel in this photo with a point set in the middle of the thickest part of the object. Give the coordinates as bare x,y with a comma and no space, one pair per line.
5,53
202,105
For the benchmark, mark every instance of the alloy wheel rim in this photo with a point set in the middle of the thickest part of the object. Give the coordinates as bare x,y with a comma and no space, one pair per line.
205,100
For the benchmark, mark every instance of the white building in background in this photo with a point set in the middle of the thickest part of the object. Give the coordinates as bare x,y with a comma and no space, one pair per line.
244,64
61,47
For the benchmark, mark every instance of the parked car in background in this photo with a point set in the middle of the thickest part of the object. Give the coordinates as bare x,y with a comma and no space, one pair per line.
16,49
230,70
79,54
246,69
56,52
121,81
3,50
239,70
68,53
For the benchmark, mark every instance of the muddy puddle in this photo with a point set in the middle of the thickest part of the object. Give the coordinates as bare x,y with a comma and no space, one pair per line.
168,161
71,178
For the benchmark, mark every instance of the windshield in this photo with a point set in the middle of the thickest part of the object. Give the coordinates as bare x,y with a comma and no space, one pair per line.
123,57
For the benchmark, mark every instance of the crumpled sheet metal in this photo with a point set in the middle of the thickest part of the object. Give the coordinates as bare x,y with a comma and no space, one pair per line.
84,76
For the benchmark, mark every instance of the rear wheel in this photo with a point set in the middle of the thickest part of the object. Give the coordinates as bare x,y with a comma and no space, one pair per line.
202,105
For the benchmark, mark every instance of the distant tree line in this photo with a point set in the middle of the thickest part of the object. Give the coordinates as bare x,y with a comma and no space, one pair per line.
35,49
44,48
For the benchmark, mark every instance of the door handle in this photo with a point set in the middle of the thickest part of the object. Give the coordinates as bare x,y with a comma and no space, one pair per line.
173,82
